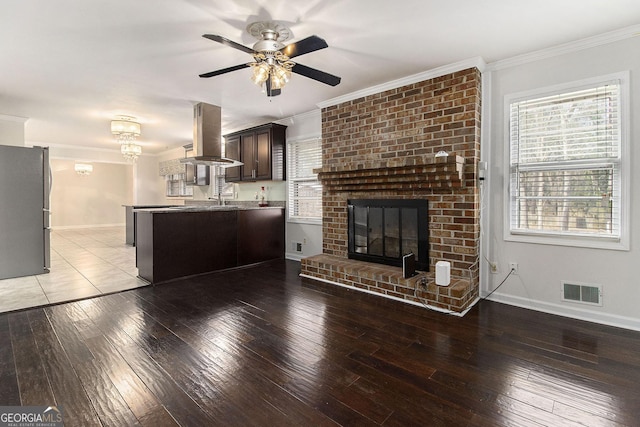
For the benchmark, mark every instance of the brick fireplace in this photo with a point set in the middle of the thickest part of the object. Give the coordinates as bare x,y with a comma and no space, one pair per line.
384,146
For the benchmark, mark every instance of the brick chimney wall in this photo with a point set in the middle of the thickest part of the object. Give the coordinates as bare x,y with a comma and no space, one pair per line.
383,146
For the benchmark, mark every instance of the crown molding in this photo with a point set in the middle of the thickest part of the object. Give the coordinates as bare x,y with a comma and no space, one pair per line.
17,119
309,115
566,48
71,146
476,62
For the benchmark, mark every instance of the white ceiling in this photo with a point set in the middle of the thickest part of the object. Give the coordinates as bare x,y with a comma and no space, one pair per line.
71,66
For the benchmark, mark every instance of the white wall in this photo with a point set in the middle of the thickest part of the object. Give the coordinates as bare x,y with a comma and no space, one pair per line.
76,207
543,267
93,200
149,189
299,127
12,130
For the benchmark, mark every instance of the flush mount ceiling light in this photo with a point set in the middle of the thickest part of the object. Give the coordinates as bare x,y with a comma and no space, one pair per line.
83,169
272,65
126,130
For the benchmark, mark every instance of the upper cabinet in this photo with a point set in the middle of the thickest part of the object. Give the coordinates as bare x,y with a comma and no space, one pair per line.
232,151
261,149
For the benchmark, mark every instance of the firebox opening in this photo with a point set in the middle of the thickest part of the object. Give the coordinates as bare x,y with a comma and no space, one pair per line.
384,230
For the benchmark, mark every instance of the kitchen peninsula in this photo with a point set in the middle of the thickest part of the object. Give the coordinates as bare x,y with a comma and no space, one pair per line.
130,220
184,241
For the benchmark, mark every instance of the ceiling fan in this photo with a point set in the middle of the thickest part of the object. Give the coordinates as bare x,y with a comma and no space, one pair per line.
272,65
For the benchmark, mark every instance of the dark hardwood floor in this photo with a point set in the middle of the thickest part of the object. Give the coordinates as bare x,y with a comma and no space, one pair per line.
256,347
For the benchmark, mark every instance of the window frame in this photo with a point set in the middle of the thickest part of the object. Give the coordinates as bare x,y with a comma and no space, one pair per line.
292,178
568,239
180,179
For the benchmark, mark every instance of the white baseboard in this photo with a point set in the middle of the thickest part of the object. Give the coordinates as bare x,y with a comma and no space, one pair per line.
566,311
75,227
294,256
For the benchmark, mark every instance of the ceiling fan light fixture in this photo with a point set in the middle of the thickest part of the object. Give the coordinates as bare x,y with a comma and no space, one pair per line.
272,65
279,76
260,72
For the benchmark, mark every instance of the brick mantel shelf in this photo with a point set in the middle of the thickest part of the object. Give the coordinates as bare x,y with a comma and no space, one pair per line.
400,173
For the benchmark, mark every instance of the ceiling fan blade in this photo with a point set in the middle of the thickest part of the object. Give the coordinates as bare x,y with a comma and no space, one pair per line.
314,74
228,42
310,44
224,70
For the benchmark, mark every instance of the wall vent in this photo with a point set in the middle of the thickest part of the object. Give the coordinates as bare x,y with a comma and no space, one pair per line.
584,293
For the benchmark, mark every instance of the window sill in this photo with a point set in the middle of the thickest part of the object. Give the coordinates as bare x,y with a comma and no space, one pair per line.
571,241
308,221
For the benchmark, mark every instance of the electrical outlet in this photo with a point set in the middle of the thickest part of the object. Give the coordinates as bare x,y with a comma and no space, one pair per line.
513,268
493,267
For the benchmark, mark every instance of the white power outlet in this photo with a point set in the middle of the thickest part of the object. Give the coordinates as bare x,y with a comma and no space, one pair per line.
513,268
493,267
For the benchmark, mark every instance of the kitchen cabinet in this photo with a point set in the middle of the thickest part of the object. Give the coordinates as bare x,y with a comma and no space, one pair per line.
176,243
130,220
261,150
232,151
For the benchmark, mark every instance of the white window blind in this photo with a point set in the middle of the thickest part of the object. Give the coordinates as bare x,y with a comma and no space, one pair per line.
305,191
565,163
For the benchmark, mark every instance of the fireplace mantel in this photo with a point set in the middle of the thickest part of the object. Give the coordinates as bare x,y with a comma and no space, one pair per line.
400,173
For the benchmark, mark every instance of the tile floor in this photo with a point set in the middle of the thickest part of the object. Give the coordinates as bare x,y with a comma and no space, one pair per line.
84,263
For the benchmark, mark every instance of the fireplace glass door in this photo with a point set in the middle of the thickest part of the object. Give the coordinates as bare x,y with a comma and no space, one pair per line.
384,231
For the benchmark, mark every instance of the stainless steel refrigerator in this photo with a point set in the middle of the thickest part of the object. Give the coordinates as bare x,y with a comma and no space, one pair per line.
25,180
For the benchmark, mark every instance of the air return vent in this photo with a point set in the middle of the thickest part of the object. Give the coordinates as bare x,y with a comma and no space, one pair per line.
584,293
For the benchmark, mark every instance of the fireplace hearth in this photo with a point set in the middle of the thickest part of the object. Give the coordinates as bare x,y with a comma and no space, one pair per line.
384,230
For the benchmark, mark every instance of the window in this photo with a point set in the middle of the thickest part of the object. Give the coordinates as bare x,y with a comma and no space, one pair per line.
567,165
177,185
305,191
221,188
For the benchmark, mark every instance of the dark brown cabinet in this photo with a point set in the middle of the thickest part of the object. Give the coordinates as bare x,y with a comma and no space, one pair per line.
261,149
232,151
171,244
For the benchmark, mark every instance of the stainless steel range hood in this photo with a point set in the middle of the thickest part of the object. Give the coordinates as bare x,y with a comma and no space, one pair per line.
207,137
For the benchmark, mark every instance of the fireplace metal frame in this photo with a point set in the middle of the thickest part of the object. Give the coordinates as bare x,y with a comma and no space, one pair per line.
422,206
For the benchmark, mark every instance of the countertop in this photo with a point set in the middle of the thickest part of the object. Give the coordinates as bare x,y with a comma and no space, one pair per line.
151,206
187,209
